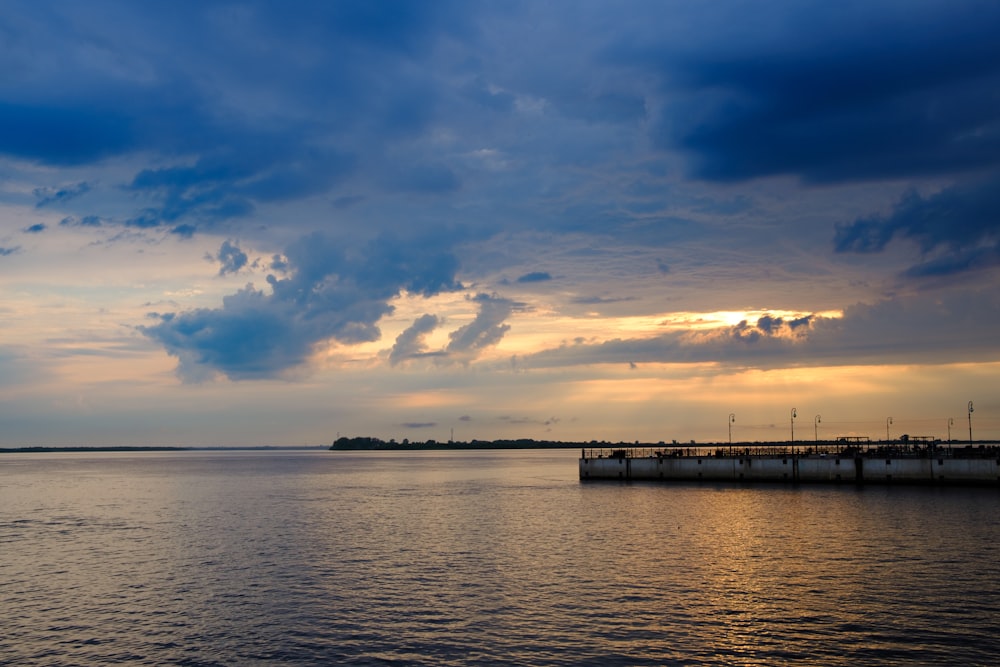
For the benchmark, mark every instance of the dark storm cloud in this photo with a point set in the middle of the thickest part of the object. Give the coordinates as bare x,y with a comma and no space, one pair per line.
339,80
231,258
260,104
63,134
840,93
331,293
184,231
237,167
230,183
279,263
535,277
853,92
957,263
956,229
87,115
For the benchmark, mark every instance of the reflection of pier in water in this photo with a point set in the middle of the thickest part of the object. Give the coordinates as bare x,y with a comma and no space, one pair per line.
845,460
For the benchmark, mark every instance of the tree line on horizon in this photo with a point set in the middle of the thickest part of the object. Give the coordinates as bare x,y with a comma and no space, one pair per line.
344,443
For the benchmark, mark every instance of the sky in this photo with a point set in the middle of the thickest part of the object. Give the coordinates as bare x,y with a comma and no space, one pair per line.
263,223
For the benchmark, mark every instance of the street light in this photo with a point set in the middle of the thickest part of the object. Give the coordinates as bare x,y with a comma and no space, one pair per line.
888,421
794,415
951,422
970,422
816,427
732,420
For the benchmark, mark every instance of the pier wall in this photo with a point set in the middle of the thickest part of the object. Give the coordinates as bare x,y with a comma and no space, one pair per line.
789,468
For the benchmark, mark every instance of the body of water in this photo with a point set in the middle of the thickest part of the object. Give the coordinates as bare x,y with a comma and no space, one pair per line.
478,558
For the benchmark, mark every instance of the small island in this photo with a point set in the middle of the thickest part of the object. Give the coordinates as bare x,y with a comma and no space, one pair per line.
372,443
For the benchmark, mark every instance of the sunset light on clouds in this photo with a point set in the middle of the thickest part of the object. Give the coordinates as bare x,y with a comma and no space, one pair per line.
261,223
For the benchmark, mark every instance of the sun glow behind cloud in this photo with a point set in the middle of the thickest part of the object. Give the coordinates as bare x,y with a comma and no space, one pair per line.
542,325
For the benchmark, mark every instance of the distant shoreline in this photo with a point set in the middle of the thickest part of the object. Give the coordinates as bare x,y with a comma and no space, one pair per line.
38,450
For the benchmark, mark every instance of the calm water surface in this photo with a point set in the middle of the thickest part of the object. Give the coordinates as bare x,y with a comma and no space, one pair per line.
465,558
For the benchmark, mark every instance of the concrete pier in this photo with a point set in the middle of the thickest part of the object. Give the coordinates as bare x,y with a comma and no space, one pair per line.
832,464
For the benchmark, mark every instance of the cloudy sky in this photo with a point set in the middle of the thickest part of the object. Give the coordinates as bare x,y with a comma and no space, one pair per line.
228,223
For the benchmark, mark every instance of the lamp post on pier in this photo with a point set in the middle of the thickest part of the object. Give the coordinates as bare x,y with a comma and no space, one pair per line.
888,421
816,423
732,420
794,415
970,422
951,422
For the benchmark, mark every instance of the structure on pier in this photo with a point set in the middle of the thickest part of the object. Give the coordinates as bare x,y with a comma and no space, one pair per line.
844,461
